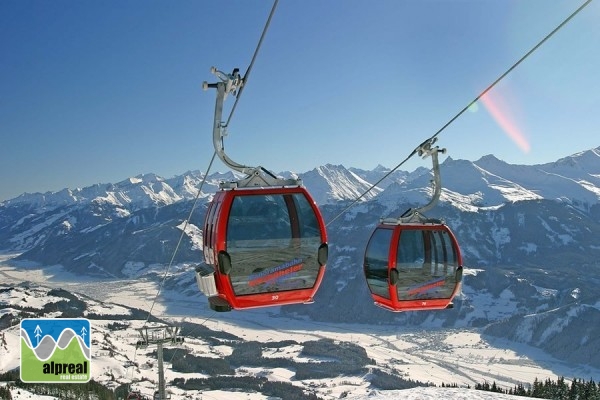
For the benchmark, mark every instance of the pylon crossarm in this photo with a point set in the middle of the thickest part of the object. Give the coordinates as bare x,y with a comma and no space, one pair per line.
159,336
155,335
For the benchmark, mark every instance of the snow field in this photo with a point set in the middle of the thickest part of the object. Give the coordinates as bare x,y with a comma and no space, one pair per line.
438,356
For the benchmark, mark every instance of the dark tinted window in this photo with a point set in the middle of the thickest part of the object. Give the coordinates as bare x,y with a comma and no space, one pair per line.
426,263
272,241
307,220
376,262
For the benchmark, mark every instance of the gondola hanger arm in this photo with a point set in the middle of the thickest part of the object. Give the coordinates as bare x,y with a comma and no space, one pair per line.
227,84
424,150
255,176
234,84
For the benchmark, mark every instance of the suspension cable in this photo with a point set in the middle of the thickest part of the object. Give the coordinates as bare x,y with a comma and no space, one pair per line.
371,187
212,159
245,78
185,225
487,89
191,332
534,48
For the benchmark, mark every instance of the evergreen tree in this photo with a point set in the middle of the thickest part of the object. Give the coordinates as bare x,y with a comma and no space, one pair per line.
562,390
5,393
574,392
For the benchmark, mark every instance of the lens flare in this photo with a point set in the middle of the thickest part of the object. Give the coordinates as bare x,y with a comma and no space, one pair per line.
473,107
499,112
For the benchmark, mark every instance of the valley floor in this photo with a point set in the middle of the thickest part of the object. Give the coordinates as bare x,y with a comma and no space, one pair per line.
437,356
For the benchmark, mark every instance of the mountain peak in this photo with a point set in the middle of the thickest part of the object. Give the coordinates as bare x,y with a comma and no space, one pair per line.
574,177
380,168
145,178
335,182
586,160
488,158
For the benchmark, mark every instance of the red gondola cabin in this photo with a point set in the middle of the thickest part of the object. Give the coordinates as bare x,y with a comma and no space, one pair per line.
413,266
263,247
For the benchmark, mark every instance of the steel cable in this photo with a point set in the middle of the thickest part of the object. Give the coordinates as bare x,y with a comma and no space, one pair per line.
509,70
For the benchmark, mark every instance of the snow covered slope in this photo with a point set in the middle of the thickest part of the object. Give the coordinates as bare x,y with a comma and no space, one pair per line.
528,236
335,361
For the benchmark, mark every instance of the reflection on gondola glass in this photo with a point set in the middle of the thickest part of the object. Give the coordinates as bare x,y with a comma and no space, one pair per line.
426,263
272,241
376,262
413,266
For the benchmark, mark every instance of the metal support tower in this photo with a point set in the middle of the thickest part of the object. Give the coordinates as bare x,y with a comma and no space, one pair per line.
159,336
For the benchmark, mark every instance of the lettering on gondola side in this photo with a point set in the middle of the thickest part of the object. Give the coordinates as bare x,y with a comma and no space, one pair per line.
277,272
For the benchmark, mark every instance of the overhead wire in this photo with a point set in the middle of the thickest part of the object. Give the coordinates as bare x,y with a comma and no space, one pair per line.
166,273
264,31
188,219
508,71
185,225
461,112
247,74
238,95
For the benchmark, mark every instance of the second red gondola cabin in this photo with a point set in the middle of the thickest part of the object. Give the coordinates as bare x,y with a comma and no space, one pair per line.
413,266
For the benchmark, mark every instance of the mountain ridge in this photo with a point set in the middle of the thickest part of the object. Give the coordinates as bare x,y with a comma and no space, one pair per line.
528,235
150,189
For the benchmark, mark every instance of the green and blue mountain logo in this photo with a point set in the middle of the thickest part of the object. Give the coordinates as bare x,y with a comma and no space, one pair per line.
55,350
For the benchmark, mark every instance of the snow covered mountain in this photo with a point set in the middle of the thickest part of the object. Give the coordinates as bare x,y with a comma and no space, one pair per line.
485,182
529,235
263,357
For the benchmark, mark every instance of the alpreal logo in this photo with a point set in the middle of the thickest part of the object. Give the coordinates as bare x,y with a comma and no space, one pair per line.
55,350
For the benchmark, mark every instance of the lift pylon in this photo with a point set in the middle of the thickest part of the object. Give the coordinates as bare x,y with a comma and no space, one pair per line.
159,336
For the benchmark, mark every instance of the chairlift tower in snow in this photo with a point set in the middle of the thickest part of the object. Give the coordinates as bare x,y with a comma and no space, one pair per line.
159,336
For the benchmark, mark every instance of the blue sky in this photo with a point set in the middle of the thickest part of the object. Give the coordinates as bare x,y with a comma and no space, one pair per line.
99,91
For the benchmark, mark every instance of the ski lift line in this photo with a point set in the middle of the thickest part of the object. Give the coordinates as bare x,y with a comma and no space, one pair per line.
371,188
133,362
508,71
245,78
192,331
461,112
176,249
162,283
